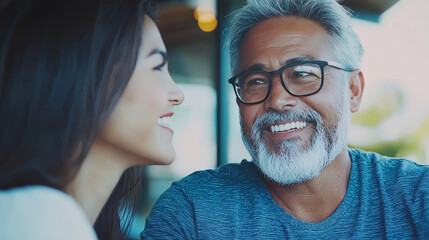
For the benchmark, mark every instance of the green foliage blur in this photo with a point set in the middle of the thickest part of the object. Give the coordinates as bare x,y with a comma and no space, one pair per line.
387,105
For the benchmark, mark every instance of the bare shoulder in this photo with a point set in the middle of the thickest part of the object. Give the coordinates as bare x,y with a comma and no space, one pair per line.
39,212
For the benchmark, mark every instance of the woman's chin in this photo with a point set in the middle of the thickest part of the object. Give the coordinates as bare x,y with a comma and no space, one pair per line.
164,159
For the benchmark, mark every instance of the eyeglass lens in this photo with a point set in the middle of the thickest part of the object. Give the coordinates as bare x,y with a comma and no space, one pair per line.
302,79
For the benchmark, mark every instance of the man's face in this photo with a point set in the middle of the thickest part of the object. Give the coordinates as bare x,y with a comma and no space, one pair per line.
320,121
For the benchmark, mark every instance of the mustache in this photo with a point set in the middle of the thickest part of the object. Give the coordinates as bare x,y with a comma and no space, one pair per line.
271,118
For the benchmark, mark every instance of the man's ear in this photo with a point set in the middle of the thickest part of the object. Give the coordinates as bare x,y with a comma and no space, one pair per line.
356,86
237,101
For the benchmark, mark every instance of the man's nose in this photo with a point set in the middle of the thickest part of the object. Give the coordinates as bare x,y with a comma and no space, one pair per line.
279,99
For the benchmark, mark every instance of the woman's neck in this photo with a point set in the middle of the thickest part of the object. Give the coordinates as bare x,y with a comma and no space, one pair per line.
96,178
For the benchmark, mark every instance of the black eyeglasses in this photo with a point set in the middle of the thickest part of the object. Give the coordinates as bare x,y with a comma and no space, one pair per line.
301,78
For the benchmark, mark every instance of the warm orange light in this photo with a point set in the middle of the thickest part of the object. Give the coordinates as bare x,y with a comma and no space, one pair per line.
206,18
203,9
207,22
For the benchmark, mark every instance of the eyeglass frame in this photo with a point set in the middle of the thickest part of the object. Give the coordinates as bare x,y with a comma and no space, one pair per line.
322,65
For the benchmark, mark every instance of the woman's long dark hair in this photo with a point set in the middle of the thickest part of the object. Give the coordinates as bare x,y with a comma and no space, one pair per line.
63,66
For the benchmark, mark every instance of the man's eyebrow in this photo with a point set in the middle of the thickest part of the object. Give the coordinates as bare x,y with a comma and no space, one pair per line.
263,67
161,52
255,67
298,59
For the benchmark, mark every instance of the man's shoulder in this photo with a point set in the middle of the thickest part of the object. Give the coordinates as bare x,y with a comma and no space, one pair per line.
381,161
389,169
226,173
212,187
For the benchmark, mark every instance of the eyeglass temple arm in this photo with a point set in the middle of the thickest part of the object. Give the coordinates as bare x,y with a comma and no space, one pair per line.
339,66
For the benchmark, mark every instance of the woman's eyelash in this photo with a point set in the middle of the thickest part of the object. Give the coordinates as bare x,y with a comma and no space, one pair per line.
163,54
159,67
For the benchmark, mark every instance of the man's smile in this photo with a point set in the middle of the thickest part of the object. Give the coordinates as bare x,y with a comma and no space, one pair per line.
290,126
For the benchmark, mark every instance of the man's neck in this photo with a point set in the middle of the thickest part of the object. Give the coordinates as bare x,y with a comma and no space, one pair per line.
316,199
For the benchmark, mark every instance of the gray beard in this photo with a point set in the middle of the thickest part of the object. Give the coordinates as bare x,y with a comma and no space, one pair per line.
290,163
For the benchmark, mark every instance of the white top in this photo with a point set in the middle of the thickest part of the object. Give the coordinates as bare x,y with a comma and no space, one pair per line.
40,212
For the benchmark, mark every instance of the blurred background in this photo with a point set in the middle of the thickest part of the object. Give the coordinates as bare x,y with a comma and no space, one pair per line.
394,116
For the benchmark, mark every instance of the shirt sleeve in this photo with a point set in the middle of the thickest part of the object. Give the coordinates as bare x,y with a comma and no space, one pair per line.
44,214
172,217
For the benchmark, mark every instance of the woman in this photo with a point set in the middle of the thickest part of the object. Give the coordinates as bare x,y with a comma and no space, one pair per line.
85,99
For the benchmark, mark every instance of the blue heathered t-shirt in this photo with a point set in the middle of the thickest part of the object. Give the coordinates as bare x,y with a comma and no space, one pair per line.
386,199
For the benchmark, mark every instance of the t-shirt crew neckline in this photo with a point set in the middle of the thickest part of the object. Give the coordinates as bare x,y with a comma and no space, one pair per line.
295,223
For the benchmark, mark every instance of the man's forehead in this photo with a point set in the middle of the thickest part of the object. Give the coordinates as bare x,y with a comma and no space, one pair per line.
289,23
279,39
266,67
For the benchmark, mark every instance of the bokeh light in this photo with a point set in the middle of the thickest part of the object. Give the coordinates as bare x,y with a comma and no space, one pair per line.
205,15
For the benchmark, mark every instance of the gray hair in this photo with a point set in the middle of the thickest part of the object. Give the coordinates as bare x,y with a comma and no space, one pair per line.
329,14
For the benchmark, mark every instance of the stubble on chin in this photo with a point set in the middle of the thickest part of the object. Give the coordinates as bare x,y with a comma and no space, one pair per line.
294,160
259,133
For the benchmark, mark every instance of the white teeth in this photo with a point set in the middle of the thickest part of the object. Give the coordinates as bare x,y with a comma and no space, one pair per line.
164,121
288,126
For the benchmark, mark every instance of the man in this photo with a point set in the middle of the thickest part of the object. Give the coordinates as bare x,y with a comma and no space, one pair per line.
297,81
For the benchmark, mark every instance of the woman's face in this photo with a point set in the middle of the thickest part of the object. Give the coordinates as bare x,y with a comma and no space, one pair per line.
139,125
